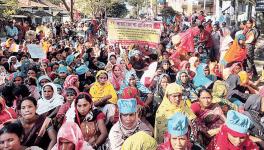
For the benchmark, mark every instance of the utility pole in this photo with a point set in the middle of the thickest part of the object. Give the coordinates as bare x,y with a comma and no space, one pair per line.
236,11
71,10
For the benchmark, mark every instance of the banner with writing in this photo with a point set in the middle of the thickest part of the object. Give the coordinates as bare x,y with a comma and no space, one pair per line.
36,51
128,32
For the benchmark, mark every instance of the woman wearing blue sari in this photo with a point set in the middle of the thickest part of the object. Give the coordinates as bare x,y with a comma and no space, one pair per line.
202,77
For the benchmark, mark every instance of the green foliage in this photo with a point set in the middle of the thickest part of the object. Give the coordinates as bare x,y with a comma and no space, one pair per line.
8,7
92,7
117,10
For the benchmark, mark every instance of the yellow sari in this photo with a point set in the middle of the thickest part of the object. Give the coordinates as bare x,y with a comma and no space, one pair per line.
99,91
167,109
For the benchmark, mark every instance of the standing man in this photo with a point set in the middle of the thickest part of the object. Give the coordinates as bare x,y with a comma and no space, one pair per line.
251,40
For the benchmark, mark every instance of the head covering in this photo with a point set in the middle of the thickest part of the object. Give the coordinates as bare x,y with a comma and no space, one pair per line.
82,69
237,122
70,59
178,124
192,61
241,37
133,53
243,75
183,65
117,80
159,89
6,113
212,66
253,103
58,86
45,105
200,79
62,69
219,89
70,81
71,132
178,77
167,109
139,85
100,73
127,106
146,142
15,65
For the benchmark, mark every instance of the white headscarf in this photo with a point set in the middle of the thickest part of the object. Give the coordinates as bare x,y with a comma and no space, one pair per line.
45,105
15,65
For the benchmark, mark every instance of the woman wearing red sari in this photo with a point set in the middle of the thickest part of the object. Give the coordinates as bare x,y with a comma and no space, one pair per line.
233,135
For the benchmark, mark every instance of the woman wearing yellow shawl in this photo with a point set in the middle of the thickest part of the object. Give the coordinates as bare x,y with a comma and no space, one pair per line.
104,95
219,94
172,103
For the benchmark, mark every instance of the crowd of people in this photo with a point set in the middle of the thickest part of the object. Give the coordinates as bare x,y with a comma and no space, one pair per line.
90,94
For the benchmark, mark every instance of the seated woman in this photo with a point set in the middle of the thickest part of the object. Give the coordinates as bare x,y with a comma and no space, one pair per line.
247,83
127,125
209,116
166,68
35,132
50,101
159,91
189,93
178,134
254,108
185,65
104,95
236,92
131,81
215,70
71,80
10,138
172,103
219,93
117,76
201,78
234,134
91,120
70,138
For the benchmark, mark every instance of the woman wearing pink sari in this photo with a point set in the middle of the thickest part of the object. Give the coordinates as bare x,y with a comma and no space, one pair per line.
209,116
116,76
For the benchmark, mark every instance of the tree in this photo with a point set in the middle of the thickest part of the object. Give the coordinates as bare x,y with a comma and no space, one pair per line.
137,4
117,10
167,12
8,7
92,8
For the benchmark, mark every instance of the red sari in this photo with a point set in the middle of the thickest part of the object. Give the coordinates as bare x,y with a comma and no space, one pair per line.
221,142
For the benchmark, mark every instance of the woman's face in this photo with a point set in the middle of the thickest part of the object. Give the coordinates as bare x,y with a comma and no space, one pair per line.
117,71
236,141
66,144
175,98
129,120
164,82
205,99
43,82
53,60
55,68
123,64
48,92
242,42
83,106
28,109
18,81
31,73
102,78
13,60
10,141
206,71
184,78
165,66
179,142
132,81
112,60
188,66
237,69
196,63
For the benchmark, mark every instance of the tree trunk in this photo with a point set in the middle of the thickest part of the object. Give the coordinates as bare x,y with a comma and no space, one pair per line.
72,10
